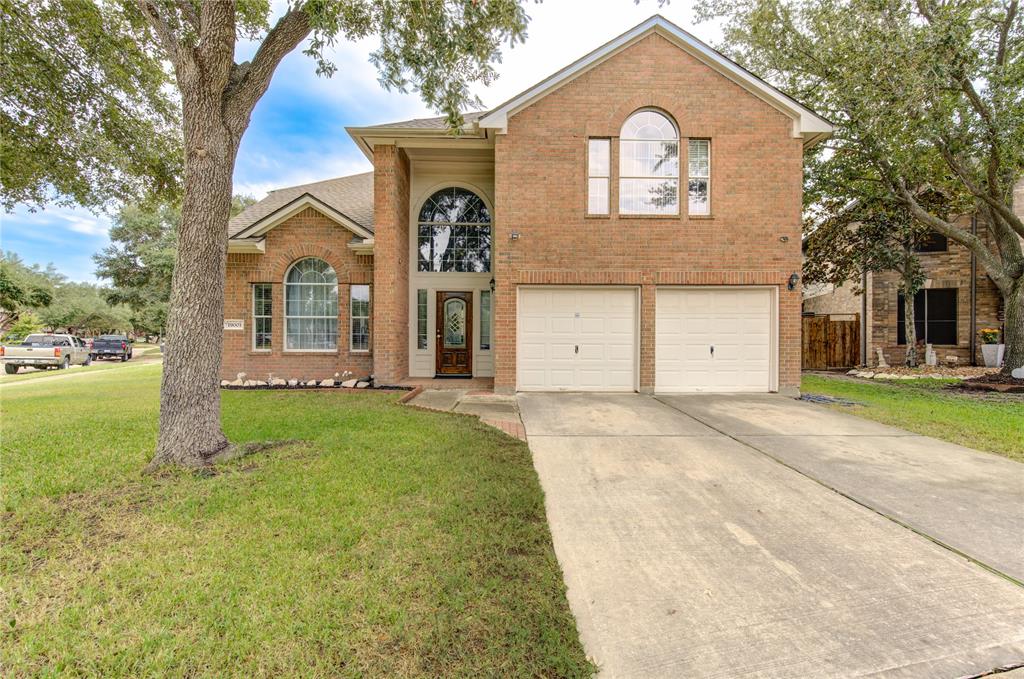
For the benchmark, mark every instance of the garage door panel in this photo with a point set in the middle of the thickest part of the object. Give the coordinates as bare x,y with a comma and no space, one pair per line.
588,335
737,322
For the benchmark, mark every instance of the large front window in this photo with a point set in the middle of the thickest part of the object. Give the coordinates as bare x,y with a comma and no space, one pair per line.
454,233
648,165
934,316
311,306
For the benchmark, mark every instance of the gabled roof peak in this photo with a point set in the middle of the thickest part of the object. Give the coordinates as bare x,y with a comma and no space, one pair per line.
806,123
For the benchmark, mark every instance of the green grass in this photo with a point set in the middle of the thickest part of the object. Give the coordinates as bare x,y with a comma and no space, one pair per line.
390,542
97,366
986,422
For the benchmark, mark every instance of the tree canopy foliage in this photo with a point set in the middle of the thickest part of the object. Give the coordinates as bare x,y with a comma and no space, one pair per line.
87,114
139,262
924,94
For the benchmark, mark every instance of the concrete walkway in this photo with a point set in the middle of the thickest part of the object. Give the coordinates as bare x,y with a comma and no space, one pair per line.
499,411
690,553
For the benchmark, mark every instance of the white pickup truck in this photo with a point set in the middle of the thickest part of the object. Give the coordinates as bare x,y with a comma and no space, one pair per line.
45,351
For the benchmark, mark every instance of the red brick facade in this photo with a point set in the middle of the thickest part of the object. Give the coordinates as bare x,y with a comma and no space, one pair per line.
307,234
540,189
751,237
391,255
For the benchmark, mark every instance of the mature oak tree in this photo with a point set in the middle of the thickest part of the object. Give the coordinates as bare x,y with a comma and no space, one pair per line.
924,94
435,48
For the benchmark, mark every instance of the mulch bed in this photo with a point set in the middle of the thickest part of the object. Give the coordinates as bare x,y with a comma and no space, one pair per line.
995,382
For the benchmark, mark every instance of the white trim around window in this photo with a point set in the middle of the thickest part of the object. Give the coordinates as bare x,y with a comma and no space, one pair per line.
698,157
649,165
599,170
262,316
359,318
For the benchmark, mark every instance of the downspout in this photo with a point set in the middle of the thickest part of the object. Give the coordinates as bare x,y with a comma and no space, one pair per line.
974,293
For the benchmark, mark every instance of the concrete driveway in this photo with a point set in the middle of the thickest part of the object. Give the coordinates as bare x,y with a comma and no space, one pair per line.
689,552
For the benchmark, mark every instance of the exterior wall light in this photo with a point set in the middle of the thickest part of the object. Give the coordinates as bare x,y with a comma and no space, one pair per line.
514,235
793,280
492,285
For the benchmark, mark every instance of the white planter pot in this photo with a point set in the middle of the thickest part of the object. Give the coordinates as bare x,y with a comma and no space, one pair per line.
993,354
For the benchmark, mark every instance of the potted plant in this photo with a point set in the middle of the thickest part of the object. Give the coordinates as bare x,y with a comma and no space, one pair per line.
991,349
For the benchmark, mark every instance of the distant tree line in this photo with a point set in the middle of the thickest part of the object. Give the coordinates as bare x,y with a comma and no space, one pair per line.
34,298
139,261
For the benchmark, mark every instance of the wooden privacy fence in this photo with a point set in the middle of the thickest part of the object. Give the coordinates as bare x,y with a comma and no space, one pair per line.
830,344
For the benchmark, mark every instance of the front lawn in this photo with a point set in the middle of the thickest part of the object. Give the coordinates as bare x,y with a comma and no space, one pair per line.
387,542
991,422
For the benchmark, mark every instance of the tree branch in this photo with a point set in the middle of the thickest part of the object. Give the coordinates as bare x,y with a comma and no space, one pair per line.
250,80
188,11
178,56
996,204
992,265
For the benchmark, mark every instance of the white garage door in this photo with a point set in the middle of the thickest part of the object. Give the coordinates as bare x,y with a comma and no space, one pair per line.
713,339
577,339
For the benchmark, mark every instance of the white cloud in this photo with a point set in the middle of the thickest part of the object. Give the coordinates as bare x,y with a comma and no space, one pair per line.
86,225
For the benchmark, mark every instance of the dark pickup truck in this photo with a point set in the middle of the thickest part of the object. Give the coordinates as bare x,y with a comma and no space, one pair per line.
112,346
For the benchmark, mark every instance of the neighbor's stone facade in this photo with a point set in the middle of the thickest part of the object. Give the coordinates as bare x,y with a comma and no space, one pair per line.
950,269
307,234
541,192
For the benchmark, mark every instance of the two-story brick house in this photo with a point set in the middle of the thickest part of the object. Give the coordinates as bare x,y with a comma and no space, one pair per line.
631,222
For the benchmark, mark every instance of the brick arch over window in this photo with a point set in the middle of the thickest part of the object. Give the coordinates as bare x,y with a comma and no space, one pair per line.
284,260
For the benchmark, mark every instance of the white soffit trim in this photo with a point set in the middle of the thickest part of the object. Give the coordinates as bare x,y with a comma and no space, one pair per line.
256,246
293,208
363,247
806,123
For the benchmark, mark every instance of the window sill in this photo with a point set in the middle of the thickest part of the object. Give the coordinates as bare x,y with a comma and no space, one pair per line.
699,217
588,215
311,352
359,352
632,216
261,352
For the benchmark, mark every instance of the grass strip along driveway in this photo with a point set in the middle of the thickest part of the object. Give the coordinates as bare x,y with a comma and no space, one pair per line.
387,542
990,422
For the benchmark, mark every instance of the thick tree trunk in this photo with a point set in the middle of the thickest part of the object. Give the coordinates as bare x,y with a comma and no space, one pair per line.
1013,328
190,431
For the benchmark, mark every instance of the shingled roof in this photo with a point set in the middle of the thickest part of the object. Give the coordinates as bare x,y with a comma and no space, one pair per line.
352,196
438,123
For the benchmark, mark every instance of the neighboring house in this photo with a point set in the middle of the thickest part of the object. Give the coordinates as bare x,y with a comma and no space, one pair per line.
631,222
958,299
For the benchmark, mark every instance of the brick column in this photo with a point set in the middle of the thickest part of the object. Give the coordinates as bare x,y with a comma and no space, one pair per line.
646,339
391,264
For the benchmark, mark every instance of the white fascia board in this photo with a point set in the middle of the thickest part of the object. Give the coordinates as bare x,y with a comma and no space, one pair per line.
806,123
293,208
251,246
363,247
366,137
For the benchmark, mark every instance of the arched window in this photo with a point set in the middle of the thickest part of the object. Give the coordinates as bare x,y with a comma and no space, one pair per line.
311,306
454,232
648,165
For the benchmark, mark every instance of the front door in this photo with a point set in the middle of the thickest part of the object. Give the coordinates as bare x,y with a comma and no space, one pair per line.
454,333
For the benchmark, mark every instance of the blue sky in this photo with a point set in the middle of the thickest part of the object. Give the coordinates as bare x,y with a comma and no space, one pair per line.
297,133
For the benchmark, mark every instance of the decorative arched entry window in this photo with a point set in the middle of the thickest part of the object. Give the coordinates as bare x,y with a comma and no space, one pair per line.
311,306
454,233
649,165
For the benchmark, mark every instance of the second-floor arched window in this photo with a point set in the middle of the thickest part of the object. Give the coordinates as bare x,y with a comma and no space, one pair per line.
649,165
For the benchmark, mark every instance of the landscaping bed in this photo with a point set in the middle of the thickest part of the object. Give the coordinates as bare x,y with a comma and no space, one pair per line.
382,541
1005,384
